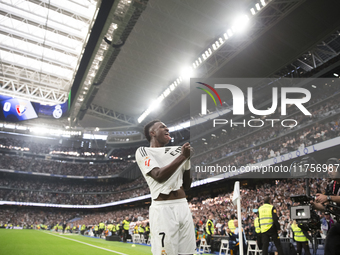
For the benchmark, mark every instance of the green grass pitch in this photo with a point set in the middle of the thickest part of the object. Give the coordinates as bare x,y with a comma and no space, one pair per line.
35,242
39,242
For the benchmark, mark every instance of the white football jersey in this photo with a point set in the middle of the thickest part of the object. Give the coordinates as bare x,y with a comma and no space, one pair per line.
148,158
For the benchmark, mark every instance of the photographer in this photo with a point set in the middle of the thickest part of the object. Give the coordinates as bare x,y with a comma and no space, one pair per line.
332,244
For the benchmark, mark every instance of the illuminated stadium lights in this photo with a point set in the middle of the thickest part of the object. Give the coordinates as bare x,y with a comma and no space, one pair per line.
238,26
18,127
54,132
166,92
335,74
240,23
313,86
9,126
187,72
181,126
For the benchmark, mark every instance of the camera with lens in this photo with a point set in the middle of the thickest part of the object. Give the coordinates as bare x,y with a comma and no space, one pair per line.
303,214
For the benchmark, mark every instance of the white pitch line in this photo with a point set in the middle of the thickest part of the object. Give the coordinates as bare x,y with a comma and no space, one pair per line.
87,244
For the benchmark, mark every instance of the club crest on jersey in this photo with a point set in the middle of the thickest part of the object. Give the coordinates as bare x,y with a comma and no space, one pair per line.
21,109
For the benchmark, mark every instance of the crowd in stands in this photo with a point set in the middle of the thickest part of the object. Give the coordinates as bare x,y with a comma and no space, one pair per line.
46,148
75,194
201,207
28,164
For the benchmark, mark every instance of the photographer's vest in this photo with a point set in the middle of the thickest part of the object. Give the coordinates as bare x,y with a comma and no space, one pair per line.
211,228
298,234
117,227
266,217
101,225
231,226
113,229
257,225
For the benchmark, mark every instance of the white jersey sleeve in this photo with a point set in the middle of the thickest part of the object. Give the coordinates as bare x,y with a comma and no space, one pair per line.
148,158
145,162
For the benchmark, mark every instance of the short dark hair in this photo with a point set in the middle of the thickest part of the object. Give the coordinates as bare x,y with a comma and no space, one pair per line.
267,199
147,129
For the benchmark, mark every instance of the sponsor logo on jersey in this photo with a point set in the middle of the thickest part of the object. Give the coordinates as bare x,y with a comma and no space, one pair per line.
147,162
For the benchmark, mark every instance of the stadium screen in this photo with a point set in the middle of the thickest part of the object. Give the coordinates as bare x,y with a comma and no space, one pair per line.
15,109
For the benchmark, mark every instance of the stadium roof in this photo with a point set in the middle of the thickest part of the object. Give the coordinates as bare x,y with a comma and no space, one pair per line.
137,49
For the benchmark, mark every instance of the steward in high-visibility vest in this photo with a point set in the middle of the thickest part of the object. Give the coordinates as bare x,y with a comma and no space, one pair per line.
82,230
258,232
231,225
113,228
209,229
269,226
300,239
126,227
118,230
257,226
298,234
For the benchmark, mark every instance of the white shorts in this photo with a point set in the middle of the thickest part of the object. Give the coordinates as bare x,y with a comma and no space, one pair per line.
171,228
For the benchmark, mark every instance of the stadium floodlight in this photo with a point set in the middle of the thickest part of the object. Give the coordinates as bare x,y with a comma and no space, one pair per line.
335,74
166,92
172,87
263,3
313,86
252,10
240,23
225,36
230,32
258,7
186,73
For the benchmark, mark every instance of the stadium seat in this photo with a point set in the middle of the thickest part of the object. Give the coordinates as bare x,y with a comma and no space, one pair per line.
224,247
142,239
136,238
253,249
204,246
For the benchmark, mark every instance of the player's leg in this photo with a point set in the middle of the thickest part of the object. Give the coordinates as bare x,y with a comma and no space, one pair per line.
163,229
187,241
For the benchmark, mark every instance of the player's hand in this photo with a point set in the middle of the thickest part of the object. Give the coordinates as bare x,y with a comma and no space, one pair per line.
186,150
228,230
320,198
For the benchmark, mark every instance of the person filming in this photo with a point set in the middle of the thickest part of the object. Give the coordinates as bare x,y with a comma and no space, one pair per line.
331,196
